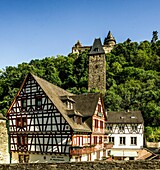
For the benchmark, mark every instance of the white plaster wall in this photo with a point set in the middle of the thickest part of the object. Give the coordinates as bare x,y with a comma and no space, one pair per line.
38,158
128,141
35,158
84,157
93,156
101,154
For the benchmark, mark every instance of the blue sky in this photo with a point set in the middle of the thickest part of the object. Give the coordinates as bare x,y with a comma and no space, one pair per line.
35,29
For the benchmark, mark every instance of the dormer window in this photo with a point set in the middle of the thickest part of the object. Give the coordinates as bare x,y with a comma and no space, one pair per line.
78,120
69,105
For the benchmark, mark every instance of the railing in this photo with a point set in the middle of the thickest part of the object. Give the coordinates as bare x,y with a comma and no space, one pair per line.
80,150
77,150
108,145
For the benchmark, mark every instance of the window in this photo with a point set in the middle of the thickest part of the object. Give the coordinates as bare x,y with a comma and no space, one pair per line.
22,140
100,140
133,140
23,158
96,123
101,124
134,127
38,101
79,120
111,139
95,139
121,127
24,103
69,105
21,121
122,140
96,50
18,122
109,127
99,108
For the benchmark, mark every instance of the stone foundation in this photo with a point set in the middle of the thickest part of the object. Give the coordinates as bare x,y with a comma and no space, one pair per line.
101,165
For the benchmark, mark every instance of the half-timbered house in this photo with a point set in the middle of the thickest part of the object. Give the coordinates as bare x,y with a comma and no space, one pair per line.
48,124
125,131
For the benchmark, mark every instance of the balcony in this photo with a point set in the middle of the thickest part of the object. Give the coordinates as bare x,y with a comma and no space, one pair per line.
108,145
77,150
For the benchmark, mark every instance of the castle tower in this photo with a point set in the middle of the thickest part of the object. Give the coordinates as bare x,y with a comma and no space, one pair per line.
97,67
109,40
109,43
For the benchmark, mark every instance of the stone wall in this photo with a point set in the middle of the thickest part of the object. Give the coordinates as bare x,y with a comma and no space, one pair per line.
153,144
101,165
4,155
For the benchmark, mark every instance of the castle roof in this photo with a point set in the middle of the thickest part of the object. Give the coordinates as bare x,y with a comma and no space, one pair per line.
97,47
125,117
109,38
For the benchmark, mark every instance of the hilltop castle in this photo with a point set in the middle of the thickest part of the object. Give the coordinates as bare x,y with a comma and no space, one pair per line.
97,61
108,45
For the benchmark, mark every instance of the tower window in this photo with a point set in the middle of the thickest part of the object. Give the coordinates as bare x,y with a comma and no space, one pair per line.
96,49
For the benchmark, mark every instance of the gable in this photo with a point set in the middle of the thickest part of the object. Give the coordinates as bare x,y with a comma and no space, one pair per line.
34,86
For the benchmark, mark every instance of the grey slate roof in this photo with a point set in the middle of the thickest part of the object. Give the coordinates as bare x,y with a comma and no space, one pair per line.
86,103
97,47
125,117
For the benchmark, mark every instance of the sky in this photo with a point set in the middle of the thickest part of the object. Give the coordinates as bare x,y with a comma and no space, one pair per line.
35,29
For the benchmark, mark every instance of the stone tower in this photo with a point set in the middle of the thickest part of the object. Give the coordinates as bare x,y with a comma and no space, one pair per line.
97,67
4,154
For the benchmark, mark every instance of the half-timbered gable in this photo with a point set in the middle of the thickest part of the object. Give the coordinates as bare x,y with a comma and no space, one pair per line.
126,133
47,120
36,124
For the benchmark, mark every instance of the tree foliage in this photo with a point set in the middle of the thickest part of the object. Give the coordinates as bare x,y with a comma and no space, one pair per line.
132,72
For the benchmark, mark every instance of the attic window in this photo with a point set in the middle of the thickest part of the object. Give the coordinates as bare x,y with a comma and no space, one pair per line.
23,103
132,117
38,101
96,49
78,120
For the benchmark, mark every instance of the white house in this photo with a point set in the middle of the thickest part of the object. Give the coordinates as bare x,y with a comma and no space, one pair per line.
126,130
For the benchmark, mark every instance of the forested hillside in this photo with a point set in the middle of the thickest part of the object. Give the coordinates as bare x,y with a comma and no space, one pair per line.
133,79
